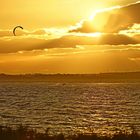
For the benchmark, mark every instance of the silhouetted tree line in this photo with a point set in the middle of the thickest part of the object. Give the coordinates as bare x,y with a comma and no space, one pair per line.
24,133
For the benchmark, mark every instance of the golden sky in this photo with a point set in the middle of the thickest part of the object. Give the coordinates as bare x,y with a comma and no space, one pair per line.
70,36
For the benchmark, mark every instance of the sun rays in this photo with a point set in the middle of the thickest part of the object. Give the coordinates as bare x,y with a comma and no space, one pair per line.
109,36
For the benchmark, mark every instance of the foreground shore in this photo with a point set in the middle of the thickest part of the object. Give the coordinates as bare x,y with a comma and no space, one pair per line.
24,133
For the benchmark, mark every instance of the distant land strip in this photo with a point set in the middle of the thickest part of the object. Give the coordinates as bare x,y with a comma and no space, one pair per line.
119,77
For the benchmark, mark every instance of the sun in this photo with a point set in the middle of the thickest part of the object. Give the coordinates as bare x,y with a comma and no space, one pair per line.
100,17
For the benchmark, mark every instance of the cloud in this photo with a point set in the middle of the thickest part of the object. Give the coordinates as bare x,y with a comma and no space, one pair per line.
117,39
106,39
4,33
105,59
15,45
68,41
7,33
132,31
111,21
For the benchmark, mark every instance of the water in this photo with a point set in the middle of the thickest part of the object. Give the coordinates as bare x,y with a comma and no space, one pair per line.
71,107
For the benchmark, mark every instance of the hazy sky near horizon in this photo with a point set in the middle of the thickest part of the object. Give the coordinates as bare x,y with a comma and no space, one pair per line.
70,36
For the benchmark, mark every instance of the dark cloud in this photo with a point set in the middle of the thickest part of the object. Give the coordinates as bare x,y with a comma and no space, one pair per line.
70,41
106,39
113,20
12,46
117,39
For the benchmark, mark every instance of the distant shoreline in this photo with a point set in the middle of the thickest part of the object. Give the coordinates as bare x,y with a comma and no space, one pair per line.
121,77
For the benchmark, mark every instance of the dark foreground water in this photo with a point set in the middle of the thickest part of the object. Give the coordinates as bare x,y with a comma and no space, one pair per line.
71,108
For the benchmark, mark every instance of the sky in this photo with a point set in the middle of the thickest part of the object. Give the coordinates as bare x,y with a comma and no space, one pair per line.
69,36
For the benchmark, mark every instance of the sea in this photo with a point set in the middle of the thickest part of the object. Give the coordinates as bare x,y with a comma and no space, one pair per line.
71,108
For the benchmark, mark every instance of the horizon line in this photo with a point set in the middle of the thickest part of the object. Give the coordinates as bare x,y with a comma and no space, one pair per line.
119,72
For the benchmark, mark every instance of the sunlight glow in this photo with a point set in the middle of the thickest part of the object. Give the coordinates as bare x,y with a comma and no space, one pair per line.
100,17
102,10
97,34
132,31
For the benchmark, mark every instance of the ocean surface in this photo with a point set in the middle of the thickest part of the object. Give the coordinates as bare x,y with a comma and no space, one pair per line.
71,107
